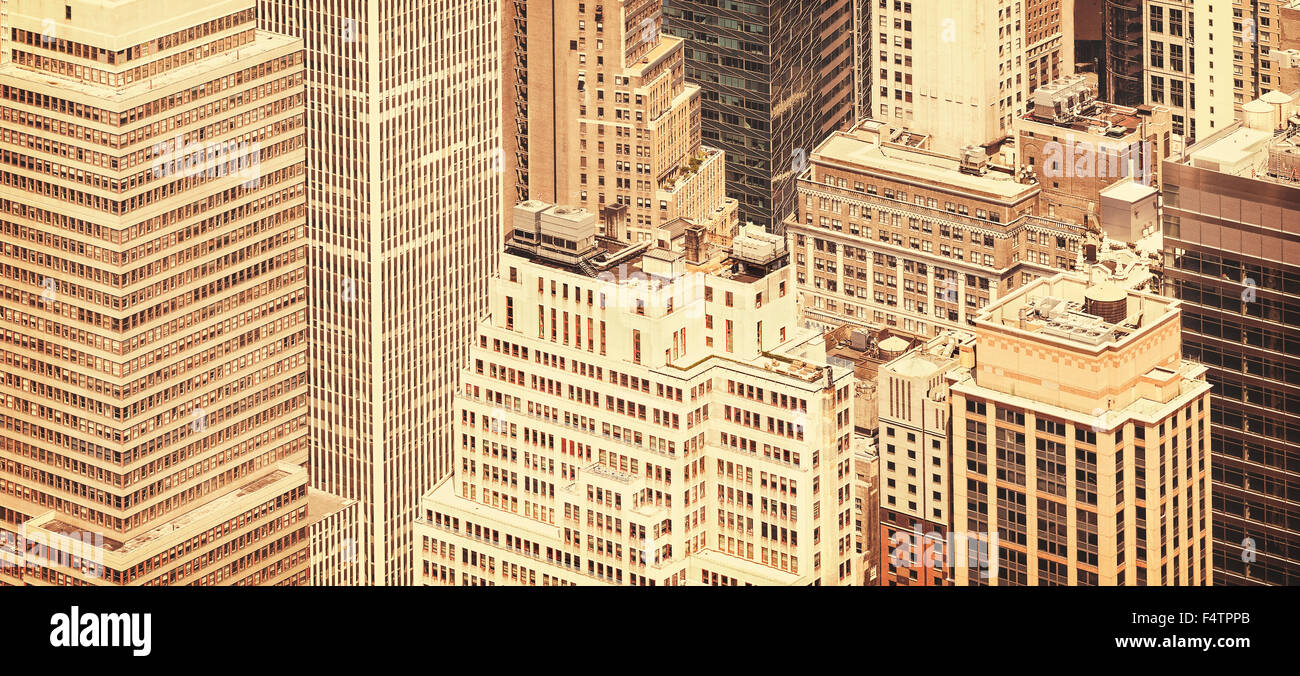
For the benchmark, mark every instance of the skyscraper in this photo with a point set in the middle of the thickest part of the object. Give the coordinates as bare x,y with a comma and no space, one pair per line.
1123,50
1258,33
960,72
776,77
154,334
1080,441
1232,238
604,118
644,416
1172,53
404,174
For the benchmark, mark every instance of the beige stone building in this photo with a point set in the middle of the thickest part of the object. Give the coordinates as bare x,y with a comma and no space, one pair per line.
154,333
1179,54
960,72
865,351
915,495
602,117
892,235
1080,441
642,416
866,510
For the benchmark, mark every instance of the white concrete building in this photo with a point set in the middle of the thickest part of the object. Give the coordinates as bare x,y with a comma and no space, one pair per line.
631,417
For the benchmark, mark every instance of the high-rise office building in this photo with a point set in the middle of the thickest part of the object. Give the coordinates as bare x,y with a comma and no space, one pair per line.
1288,77
1080,441
959,72
1186,42
776,78
153,210
1171,53
644,416
865,351
1232,239
1121,76
603,117
404,134
914,413
1257,33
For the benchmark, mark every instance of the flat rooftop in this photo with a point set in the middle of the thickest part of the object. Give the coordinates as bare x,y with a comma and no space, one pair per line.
321,504
216,507
1129,191
938,354
1071,311
859,148
1233,152
615,261
1191,384
1096,119
1263,145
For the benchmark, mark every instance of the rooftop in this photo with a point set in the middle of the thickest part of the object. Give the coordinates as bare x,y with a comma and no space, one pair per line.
860,148
1130,266
321,504
1228,153
865,350
1129,191
936,355
1263,145
1071,104
576,248
1191,384
198,516
677,177
1078,313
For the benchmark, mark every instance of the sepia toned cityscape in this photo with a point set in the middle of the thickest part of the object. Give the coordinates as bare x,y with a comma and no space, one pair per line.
649,293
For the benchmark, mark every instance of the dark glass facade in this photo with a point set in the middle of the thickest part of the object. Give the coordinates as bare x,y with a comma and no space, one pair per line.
1226,239
776,77
1121,80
